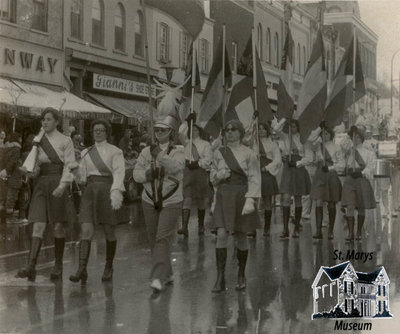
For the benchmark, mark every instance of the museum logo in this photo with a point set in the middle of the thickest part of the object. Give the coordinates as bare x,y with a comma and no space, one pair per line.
342,292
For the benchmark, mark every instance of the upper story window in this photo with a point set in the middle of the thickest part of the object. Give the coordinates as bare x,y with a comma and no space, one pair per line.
183,50
139,34
268,46
276,49
76,19
163,43
259,41
204,55
97,22
304,60
234,56
119,28
298,59
39,18
8,10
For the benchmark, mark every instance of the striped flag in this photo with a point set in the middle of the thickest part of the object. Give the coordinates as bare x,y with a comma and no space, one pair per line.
341,95
210,115
189,13
285,86
312,97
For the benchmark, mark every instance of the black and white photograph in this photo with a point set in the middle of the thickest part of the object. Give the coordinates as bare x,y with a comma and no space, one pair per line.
199,166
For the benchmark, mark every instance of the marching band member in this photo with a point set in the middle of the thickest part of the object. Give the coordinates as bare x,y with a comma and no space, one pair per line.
195,175
357,191
48,205
102,168
270,164
295,178
160,169
326,186
236,172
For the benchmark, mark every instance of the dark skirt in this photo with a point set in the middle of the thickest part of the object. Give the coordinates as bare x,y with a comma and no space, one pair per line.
358,193
96,203
326,186
44,207
229,204
269,185
195,184
295,181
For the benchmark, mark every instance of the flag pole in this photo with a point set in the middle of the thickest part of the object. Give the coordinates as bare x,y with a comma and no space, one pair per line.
223,84
354,90
194,55
253,45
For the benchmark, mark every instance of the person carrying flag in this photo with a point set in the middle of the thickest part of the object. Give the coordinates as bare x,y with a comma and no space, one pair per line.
236,173
196,189
102,168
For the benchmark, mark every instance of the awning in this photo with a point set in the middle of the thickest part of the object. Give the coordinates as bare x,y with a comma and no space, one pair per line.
133,112
22,97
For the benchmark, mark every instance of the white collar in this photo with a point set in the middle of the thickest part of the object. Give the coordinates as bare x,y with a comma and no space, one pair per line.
101,144
164,146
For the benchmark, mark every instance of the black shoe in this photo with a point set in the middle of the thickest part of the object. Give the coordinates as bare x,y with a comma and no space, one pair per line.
350,225
318,222
185,222
111,247
84,252
219,285
360,223
332,218
59,244
267,222
242,260
30,271
297,218
285,219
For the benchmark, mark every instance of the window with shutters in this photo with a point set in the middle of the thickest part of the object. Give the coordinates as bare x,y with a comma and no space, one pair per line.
163,43
98,22
8,10
119,28
139,37
204,50
234,56
184,49
76,19
39,17
268,46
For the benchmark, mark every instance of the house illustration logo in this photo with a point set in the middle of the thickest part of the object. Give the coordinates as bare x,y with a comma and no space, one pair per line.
342,292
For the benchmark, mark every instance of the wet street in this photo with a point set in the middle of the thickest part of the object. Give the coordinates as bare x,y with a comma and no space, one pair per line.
278,298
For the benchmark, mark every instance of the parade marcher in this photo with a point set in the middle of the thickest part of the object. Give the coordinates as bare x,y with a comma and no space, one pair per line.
236,172
196,189
102,168
270,164
160,169
357,191
49,199
295,178
326,186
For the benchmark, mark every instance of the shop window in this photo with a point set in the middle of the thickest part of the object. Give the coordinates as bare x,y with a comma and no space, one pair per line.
183,49
139,34
204,55
268,46
234,56
98,22
76,19
119,28
163,43
39,18
7,10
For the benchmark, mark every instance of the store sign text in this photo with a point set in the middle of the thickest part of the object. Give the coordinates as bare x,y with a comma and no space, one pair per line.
28,60
119,85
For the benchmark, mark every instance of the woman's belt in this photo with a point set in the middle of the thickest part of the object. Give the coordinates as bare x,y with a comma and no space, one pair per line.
100,178
47,169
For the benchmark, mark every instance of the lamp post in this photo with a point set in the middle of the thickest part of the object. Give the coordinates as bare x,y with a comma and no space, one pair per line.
391,82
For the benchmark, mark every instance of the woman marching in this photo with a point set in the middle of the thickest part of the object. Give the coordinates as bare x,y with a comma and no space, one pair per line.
160,169
357,191
236,173
49,201
270,164
196,189
295,178
102,168
326,185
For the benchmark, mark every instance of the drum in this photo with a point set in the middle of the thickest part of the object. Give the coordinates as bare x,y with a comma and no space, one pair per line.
382,168
387,149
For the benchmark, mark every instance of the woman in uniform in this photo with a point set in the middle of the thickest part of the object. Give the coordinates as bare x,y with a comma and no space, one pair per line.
196,189
295,178
357,191
54,161
236,173
160,169
326,186
102,168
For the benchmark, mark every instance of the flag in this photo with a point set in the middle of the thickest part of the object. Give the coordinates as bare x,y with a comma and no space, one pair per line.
210,116
241,104
341,95
189,13
312,97
184,108
285,86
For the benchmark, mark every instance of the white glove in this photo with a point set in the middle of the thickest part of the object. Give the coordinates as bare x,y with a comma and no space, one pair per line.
116,199
248,206
39,136
3,174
